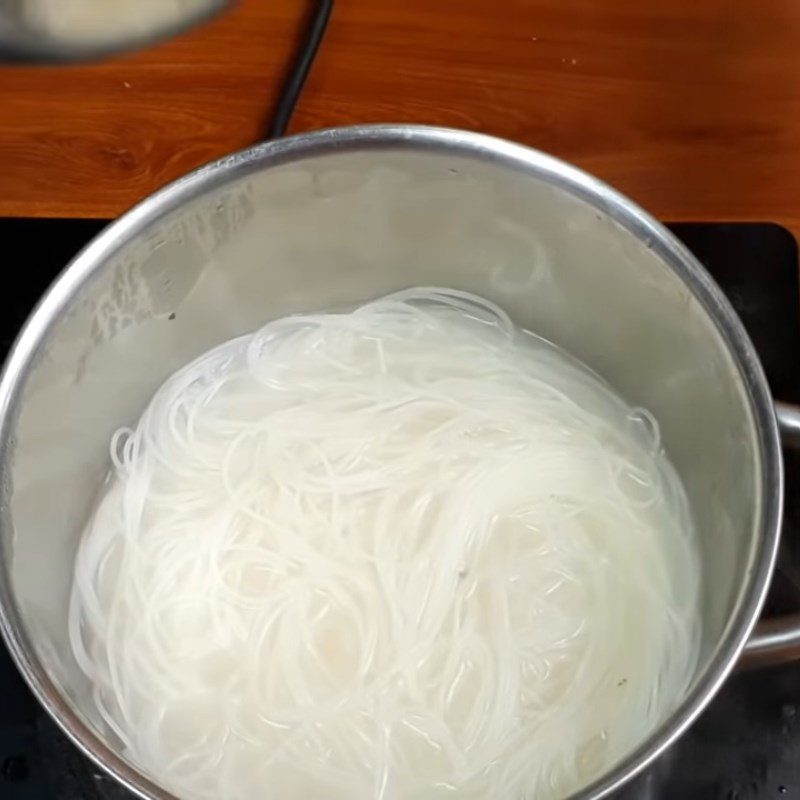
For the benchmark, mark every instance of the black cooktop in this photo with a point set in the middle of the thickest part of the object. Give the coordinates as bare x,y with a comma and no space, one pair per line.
747,744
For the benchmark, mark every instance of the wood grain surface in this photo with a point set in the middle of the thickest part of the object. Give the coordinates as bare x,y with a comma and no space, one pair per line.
692,107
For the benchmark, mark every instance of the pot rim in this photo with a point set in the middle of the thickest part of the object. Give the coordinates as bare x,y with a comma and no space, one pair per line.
624,212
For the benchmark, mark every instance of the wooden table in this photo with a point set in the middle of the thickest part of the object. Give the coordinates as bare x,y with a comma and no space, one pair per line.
692,107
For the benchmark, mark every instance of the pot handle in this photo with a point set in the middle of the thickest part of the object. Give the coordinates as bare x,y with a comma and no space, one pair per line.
776,641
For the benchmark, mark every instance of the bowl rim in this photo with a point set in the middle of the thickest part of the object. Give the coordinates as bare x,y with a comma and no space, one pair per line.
22,43
93,258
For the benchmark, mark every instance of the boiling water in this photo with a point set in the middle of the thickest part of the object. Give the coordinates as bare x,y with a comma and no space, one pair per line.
409,551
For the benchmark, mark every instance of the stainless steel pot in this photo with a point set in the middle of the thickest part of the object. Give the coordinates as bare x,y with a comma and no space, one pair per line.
343,216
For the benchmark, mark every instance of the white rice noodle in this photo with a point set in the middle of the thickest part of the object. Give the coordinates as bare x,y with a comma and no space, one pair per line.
408,551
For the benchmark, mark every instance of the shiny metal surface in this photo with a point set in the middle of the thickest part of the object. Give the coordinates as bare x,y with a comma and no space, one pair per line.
338,217
86,29
789,423
776,641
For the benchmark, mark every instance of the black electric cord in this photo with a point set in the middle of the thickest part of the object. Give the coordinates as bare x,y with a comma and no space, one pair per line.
296,77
